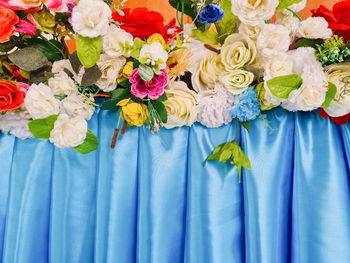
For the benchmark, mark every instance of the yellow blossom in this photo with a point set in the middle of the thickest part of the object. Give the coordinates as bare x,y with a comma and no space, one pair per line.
156,38
133,113
178,62
45,20
126,72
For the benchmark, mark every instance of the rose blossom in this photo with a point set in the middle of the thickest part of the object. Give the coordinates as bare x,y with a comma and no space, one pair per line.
153,89
11,95
8,20
26,28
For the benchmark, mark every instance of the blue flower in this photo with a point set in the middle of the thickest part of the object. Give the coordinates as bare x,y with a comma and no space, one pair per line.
211,14
245,106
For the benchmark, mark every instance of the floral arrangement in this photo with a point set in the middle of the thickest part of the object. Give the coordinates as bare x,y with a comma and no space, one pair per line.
236,59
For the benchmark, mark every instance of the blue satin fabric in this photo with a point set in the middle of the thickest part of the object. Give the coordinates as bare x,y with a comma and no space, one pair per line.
152,200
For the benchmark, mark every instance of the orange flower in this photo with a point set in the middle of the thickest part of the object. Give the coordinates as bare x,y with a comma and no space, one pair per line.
8,20
11,95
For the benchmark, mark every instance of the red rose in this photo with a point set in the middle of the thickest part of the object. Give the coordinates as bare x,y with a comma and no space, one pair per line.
11,95
8,20
338,19
338,120
141,23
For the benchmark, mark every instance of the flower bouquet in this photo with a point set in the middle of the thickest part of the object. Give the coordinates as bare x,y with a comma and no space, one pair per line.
236,59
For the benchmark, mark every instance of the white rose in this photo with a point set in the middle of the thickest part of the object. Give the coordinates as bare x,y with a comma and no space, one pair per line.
181,105
68,133
114,38
251,31
60,65
90,18
238,50
207,71
153,55
40,102
237,81
289,21
62,84
110,68
315,27
75,105
339,75
279,65
273,40
254,11
297,7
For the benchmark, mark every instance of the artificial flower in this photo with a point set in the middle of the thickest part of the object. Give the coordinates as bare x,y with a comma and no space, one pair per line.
62,84
112,41
181,105
238,50
154,56
338,120
211,14
11,95
135,114
245,106
288,20
61,65
13,123
276,66
237,81
251,31
40,101
339,75
178,62
273,40
75,105
153,89
43,20
156,38
338,19
298,6
25,27
8,20
141,23
126,72
68,132
172,29
212,107
314,28
90,18
110,68
53,5
253,12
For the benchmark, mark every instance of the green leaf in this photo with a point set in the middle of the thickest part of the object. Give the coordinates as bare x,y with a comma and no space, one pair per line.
89,145
75,62
286,3
246,125
146,72
225,156
227,25
208,36
91,76
89,50
41,75
305,42
189,9
28,59
8,46
125,84
136,64
120,94
41,128
50,48
163,97
215,155
332,91
110,105
160,108
282,86
240,160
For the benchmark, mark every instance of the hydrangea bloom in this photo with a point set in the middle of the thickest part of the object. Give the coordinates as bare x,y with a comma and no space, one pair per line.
246,106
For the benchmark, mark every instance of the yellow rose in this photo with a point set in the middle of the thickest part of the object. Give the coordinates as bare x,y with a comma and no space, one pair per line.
133,113
126,72
156,38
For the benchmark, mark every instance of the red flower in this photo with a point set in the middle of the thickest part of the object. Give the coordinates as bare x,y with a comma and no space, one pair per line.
338,120
143,23
11,96
8,20
338,19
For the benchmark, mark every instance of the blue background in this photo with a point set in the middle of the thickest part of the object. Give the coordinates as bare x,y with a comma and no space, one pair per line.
152,200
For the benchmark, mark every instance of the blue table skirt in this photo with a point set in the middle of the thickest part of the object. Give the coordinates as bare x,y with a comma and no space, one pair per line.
152,200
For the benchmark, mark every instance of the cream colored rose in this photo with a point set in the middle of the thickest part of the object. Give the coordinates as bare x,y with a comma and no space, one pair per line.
60,65
339,75
237,81
289,21
111,43
68,132
254,11
62,84
251,31
110,68
90,18
279,65
76,105
181,105
207,72
315,27
273,40
237,51
40,102
297,7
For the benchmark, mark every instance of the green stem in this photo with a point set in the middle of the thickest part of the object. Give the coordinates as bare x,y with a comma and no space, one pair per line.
182,14
237,131
295,14
177,13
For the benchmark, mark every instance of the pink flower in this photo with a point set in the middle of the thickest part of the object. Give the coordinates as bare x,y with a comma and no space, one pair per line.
153,89
53,5
17,74
25,27
23,87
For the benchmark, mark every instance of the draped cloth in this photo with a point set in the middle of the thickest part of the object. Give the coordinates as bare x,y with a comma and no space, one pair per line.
152,200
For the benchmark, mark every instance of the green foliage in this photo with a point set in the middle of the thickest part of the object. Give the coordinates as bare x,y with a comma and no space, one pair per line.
110,105
89,50
246,125
28,59
227,25
208,36
161,110
282,86
286,3
89,145
332,91
305,42
121,94
163,98
333,51
52,49
41,128
91,76
146,72
189,9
